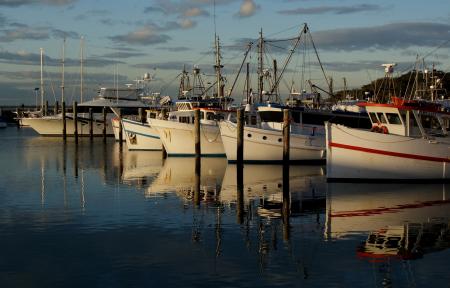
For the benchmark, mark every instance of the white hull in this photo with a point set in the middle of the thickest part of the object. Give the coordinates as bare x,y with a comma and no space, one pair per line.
140,136
361,154
178,138
115,122
270,149
53,126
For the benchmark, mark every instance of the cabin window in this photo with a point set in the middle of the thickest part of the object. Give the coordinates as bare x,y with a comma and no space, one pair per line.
210,116
249,135
393,118
373,117
430,122
202,115
382,118
264,137
184,119
279,139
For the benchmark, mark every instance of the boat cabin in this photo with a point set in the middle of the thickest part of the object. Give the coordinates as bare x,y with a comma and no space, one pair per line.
406,120
207,116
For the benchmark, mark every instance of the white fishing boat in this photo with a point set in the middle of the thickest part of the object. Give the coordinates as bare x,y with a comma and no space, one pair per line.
141,136
408,141
263,142
177,132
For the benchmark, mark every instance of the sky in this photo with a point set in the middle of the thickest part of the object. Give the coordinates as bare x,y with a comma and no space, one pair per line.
124,39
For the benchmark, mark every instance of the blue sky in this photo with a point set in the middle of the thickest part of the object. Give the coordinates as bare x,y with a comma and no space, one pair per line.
160,36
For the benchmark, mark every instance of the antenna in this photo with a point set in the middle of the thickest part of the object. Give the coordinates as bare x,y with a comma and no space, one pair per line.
214,15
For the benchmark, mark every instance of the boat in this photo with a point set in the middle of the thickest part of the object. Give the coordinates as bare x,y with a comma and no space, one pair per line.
263,142
407,141
140,135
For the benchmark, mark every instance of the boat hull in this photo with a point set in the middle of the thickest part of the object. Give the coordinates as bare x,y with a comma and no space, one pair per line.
179,139
140,136
355,154
53,126
115,123
264,145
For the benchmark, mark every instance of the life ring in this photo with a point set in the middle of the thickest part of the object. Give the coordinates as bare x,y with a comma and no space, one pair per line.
384,130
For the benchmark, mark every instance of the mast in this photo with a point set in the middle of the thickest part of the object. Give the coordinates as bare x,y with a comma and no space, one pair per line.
62,63
218,67
260,68
42,80
81,68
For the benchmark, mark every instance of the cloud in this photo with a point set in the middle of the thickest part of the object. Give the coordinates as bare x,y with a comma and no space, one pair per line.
19,31
56,33
24,33
389,36
123,55
174,49
331,9
195,12
17,3
150,33
248,8
146,35
170,65
22,57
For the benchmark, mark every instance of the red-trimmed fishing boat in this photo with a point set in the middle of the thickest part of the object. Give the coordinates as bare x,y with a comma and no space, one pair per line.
408,141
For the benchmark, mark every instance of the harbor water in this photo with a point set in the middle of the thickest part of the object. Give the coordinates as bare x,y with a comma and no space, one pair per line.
95,215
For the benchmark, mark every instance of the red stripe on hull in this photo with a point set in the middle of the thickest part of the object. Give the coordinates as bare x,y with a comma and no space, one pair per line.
389,153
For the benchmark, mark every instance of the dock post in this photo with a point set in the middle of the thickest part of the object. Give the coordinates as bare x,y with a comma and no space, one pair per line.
286,135
240,136
75,121
46,108
104,124
91,124
198,150
141,115
64,121
120,128
56,108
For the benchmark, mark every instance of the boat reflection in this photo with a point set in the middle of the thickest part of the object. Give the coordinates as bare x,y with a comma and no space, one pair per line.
265,183
181,175
140,168
400,220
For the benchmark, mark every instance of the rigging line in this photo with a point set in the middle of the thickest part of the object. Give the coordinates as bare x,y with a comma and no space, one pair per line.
282,31
279,47
282,40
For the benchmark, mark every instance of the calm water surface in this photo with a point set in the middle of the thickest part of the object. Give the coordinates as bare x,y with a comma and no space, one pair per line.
90,216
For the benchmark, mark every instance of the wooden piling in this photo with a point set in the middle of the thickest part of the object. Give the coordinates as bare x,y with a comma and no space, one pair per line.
104,124
286,135
141,115
46,108
64,121
240,136
198,150
75,121
120,128
56,108
91,124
